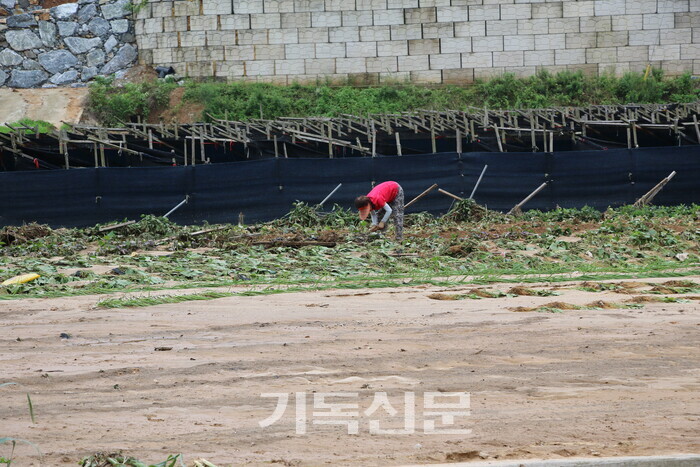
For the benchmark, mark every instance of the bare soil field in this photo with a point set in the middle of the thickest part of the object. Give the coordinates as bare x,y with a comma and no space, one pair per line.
618,377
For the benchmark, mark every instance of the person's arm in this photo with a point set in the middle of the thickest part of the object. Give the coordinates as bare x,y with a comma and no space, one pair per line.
388,212
373,214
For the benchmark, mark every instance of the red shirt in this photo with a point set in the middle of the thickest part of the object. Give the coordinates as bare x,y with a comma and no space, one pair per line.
383,193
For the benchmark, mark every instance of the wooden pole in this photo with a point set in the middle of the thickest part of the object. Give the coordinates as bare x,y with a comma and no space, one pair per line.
450,194
432,187
517,208
398,142
478,182
649,196
459,141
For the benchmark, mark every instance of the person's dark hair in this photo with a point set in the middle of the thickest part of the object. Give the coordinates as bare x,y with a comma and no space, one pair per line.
362,201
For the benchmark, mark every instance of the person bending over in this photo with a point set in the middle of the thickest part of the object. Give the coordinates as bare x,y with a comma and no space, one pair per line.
387,196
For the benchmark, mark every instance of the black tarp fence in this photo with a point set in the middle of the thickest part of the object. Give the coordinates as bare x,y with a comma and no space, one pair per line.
265,189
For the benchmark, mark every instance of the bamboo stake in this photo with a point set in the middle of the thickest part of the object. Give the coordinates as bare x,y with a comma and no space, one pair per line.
517,208
649,196
398,142
450,194
432,187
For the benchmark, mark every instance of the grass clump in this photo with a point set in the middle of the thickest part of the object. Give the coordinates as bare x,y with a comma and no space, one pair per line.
133,302
40,125
113,105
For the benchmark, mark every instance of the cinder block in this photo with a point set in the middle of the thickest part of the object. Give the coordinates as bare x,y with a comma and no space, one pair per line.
514,58
674,6
645,37
299,51
246,7
162,55
451,14
578,9
268,52
694,7
344,34
392,48
488,73
375,33
155,25
278,6
609,7
601,55
319,66
241,52
265,21
538,57
326,19
393,78
252,37
484,12
516,11
686,20
335,50
260,67
231,22
219,38
455,45
426,77
433,3
290,67
550,41
382,64
595,24
189,39
148,41
690,51
615,69
520,42
340,5
639,53
521,71
501,28
470,29
203,23
165,9
533,26
676,67
295,20
207,54
627,23
357,18
217,7
564,25
414,62
283,36
659,21
487,44
313,35
612,39
301,6
370,5
406,32
665,52
438,30
477,60
445,61
675,36
402,4
423,46
350,65
547,10
581,40
420,15
633,7
458,77
569,56
361,49
387,17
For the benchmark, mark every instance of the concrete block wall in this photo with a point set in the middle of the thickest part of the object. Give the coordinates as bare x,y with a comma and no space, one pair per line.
423,41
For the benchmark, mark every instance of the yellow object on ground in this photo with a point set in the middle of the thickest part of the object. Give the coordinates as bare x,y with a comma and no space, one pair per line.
21,279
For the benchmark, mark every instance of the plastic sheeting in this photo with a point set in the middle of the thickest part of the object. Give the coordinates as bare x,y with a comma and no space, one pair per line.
265,189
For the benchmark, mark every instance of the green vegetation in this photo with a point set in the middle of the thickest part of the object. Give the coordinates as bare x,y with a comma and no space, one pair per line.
468,245
7,461
243,101
40,125
102,459
130,302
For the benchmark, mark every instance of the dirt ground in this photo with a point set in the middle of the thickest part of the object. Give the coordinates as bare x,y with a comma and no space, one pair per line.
574,383
55,106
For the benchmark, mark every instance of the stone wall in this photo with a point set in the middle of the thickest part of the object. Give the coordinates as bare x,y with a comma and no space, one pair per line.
66,45
424,41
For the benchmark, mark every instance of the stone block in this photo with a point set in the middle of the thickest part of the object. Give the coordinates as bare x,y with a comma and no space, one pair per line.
420,15
278,6
382,64
676,67
488,73
595,24
433,3
326,19
675,36
438,30
340,5
247,7
610,7
615,69
260,67
451,14
487,44
455,45
578,9
514,58
392,48
231,22
627,22
477,60
501,28
414,63
203,23
633,7
387,17
267,52
470,29
402,4
516,11
445,61
309,5
220,38
179,8
295,20
284,36
395,77
406,32
360,49
659,21
357,18
564,25
532,26
344,34
247,52
172,24
423,46
601,55
290,67
266,21
350,65
674,6
335,50
633,53
520,42
690,51
299,51
217,7
484,12
371,5
547,10
459,77
612,39
319,66
252,37
645,37
375,33
313,35
665,52
538,57
569,56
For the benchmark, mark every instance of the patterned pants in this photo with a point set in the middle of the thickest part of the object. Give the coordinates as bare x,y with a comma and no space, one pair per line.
397,215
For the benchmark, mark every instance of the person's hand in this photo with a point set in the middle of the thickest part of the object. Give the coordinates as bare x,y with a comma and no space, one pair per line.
380,226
